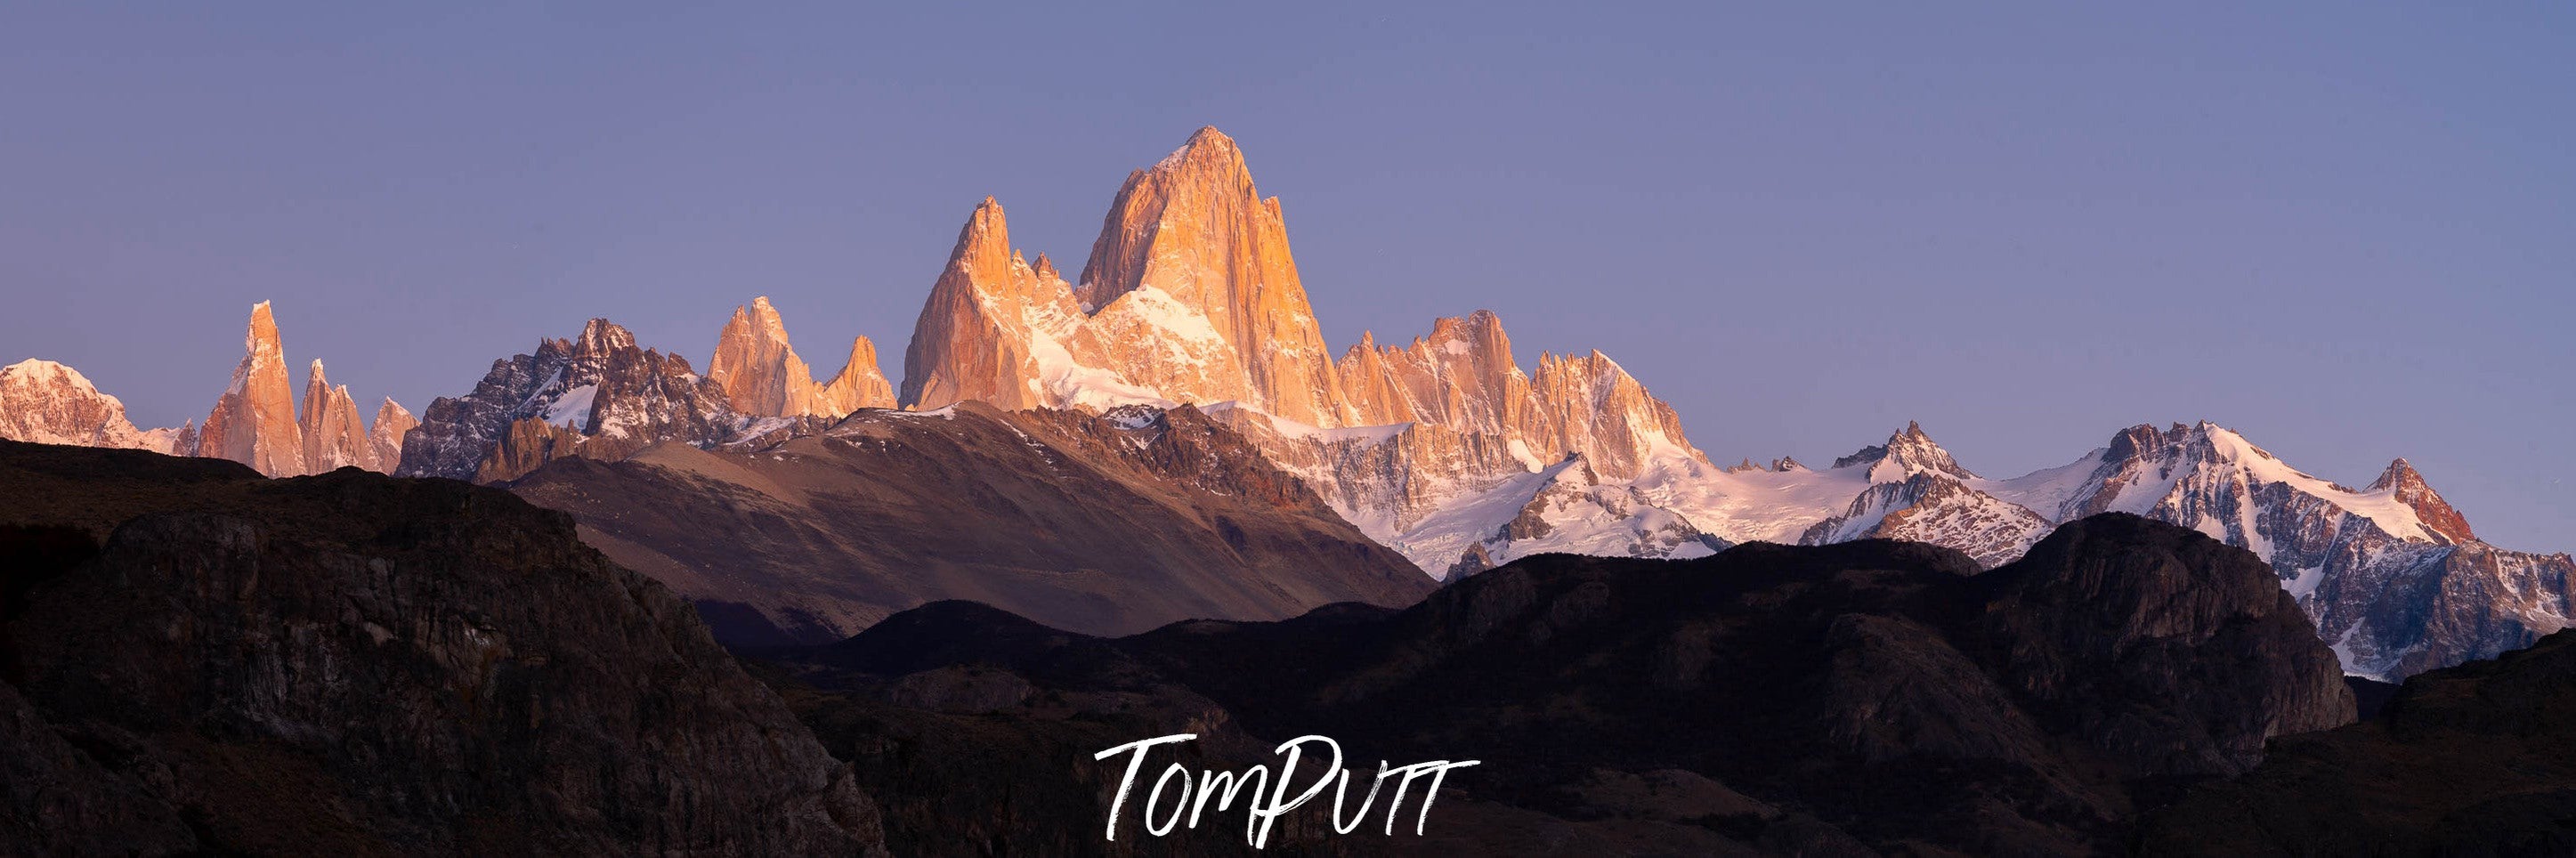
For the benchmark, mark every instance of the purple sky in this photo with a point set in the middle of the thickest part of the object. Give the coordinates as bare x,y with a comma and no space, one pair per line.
2349,233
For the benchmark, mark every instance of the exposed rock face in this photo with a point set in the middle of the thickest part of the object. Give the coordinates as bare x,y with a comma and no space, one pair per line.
334,437
1113,523
1468,444
358,665
2478,759
2441,523
1191,295
48,403
762,376
385,435
1937,508
1862,698
860,384
254,422
1906,454
760,373
1192,276
1464,377
998,330
608,397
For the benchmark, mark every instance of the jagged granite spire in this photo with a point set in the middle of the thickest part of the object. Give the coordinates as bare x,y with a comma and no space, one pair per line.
1192,278
334,436
385,435
254,421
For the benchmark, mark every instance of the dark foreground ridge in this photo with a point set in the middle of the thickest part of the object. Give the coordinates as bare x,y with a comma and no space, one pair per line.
1846,699
195,659
2478,759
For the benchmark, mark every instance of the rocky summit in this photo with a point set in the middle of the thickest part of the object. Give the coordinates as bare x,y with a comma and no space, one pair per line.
254,422
597,395
762,376
48,403
334,435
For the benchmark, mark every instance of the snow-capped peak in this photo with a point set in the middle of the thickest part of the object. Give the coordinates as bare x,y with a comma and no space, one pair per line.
45,373
1907,452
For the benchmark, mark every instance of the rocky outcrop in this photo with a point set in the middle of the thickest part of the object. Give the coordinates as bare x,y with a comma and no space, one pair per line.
254,422
608,397
48,403
334,436
1001,331
385,434
2114,621
2477,759
360,665
762,376
1110,523
1464,377
860,384
759,372
1469,442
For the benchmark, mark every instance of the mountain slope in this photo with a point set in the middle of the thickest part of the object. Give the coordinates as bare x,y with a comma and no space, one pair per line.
1109,524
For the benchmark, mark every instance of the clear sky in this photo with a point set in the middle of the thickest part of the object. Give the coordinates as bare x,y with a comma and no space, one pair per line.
2348,230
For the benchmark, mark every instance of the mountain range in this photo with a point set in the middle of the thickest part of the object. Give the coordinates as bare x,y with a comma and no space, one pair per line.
195,660
1189,319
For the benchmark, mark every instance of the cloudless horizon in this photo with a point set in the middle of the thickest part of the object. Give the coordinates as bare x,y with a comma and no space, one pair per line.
2347,231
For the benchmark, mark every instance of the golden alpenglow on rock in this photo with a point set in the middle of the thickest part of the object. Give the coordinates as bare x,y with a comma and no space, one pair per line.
333,435
1192,274
385,436
860,385
762,376
1191,296
999,330
49,403
760,373
254,421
